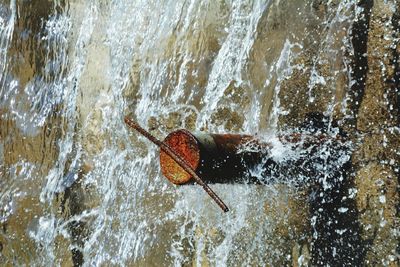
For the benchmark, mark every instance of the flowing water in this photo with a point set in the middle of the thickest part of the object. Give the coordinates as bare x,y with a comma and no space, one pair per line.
79,187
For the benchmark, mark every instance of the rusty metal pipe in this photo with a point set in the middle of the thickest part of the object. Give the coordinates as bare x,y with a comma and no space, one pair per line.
178,160
218,158
226,158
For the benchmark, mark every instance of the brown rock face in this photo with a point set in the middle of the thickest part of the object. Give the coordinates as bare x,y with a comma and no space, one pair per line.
370,118
377,157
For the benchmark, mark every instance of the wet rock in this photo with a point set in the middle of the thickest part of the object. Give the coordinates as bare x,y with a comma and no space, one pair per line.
375,106
172,121
301,255
153,123
183,118
315,76
377,199
232,106
236,95
230,119
376,157
382,146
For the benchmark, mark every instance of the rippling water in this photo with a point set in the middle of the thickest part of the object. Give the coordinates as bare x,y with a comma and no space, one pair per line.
78,187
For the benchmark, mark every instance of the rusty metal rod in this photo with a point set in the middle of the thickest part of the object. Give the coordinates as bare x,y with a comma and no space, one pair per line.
178,160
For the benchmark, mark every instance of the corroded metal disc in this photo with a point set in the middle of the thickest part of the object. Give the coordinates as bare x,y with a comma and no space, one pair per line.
186,146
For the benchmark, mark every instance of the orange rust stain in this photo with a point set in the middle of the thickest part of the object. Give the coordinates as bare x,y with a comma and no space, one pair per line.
186,146
230,142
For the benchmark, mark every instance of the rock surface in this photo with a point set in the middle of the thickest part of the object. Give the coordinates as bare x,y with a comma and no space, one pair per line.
290,59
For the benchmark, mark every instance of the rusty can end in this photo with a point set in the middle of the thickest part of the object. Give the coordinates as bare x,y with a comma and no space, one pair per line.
184,144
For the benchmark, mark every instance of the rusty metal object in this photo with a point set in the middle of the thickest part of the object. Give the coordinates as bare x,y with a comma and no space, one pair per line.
218,158
179,160
229,158
184,145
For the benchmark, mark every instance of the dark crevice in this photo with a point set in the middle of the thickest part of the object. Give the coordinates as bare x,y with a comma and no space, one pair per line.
71,201
3,227
396,81
396,62
392,82
359,71
336,231
72,204
335,210
336,238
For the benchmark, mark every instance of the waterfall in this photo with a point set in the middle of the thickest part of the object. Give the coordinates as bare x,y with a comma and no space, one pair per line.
79,187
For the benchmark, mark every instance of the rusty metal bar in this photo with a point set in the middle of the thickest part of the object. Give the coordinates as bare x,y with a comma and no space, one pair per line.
178,160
